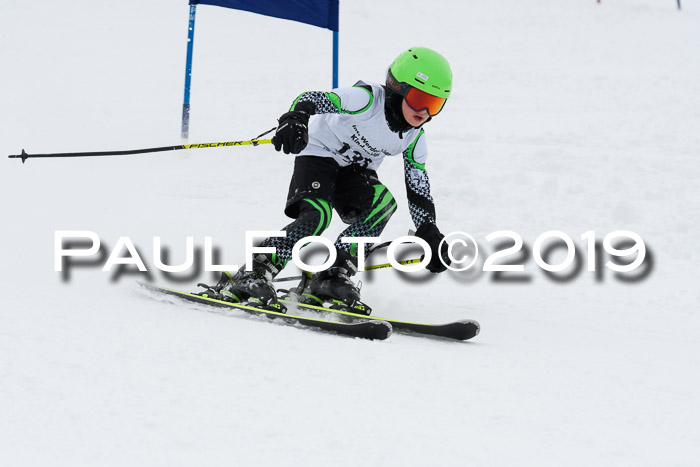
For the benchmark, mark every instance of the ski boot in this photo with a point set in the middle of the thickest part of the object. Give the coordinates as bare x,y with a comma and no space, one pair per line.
296,294
252,288
333,288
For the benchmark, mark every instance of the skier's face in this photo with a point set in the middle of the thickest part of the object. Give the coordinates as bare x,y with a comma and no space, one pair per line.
415,119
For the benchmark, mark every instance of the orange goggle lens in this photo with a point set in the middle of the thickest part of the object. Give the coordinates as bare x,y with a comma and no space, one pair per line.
419,100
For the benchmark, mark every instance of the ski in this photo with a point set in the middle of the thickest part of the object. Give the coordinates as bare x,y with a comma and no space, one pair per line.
373,329
460,330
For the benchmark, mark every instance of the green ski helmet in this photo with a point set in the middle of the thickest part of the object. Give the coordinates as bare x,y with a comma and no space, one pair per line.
423,77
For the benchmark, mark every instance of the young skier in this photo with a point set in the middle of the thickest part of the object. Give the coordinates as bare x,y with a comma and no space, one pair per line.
337,154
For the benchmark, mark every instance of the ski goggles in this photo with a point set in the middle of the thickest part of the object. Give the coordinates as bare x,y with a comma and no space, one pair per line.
420,100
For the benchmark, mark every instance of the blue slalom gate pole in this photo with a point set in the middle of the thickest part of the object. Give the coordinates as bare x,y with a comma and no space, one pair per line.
185,132
335,59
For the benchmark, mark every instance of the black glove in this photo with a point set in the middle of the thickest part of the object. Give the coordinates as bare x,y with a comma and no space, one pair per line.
292,134
430,233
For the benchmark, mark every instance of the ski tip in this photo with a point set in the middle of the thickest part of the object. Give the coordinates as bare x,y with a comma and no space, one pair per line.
467,329
147,286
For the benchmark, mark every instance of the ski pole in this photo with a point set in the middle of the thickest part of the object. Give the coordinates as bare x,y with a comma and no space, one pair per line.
371,250
253,142
368,268
388,265
24,156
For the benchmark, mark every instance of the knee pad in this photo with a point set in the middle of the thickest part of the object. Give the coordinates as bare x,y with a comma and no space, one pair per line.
315,215
382,208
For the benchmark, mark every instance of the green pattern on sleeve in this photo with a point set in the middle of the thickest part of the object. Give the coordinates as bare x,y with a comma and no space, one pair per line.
327,102
409,152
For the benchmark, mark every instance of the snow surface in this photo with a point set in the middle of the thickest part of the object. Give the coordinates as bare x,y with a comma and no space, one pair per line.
567,115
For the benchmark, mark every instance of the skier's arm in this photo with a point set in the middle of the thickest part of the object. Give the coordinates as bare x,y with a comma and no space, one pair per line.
420,202
352,100
292,133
